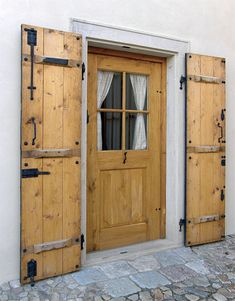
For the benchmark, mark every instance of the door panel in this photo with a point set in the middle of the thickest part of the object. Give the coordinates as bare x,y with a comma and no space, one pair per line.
205,193
50,203
124,184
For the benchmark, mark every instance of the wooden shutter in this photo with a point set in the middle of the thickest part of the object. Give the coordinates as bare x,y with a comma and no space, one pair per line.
205,149
50,143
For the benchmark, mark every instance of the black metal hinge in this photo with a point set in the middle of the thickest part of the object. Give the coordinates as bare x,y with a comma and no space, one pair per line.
222,196
31,271
182,223
82,241
223,161
87,117
182,80
83,70
32,173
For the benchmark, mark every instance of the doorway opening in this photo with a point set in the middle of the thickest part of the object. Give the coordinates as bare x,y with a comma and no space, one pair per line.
126,149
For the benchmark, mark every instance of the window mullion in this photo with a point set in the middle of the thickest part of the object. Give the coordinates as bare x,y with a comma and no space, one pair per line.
123,110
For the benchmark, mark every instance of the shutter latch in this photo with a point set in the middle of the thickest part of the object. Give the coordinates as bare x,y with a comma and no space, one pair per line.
83,70
31,41
182,223
82,241
182,80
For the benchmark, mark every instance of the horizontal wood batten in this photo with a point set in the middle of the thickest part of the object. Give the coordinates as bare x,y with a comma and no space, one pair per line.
205,219
51,153
52,245
205,149
38,59
206,79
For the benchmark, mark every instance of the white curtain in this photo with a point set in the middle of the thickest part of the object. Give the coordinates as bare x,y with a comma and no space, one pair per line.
103,83
139,84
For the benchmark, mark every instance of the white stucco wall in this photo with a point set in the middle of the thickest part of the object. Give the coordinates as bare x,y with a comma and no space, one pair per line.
208,24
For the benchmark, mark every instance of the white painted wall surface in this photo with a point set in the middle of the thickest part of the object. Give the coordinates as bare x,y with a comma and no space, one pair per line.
208,24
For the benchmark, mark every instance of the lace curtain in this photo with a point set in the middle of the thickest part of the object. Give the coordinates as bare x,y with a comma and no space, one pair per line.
103,83
139,85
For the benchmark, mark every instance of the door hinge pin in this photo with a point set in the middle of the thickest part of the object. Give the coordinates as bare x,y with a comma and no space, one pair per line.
182,223
182,80
222,196
82,241
87,117
31,271
83,70
223,161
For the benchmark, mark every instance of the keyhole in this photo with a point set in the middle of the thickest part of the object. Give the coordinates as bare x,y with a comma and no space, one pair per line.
124,157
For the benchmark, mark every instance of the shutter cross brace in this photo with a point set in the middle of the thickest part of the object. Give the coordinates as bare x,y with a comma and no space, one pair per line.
31,41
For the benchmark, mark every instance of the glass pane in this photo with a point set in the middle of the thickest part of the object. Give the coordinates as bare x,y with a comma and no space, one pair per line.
113,99
136,131
130,98
111,130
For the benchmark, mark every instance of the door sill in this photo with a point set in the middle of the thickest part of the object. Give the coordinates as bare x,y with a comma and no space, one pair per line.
129,252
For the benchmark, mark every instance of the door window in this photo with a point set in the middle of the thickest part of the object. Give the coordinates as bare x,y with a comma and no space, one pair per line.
122,114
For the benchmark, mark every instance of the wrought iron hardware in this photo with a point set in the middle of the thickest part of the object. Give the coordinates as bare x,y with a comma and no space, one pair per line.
124,157
55,61
222,196
34,130
83,70
222,132
82,241
182,80
223,161
182,223
31,271
87,117
31,41
222,116
32,173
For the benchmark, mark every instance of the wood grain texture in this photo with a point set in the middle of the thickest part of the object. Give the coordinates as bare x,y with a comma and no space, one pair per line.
124,200
50,205
205,173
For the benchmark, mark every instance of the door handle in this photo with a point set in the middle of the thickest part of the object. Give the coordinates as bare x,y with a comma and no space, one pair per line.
34,130
124,157
222,132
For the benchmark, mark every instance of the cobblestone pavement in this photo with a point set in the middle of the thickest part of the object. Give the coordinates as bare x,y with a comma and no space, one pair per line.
200,273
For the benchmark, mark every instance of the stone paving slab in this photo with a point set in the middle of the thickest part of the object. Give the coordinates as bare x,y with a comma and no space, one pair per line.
145,263
117,269
120,287
200,273
150,279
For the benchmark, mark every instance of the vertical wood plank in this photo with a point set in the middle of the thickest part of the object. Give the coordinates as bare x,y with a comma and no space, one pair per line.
31,210
52,214
53,107
71,212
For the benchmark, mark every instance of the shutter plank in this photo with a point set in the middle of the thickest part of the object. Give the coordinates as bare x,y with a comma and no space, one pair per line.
71,212
31,210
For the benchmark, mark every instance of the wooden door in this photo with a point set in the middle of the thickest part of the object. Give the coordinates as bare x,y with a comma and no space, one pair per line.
125,186
205,151
50,144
